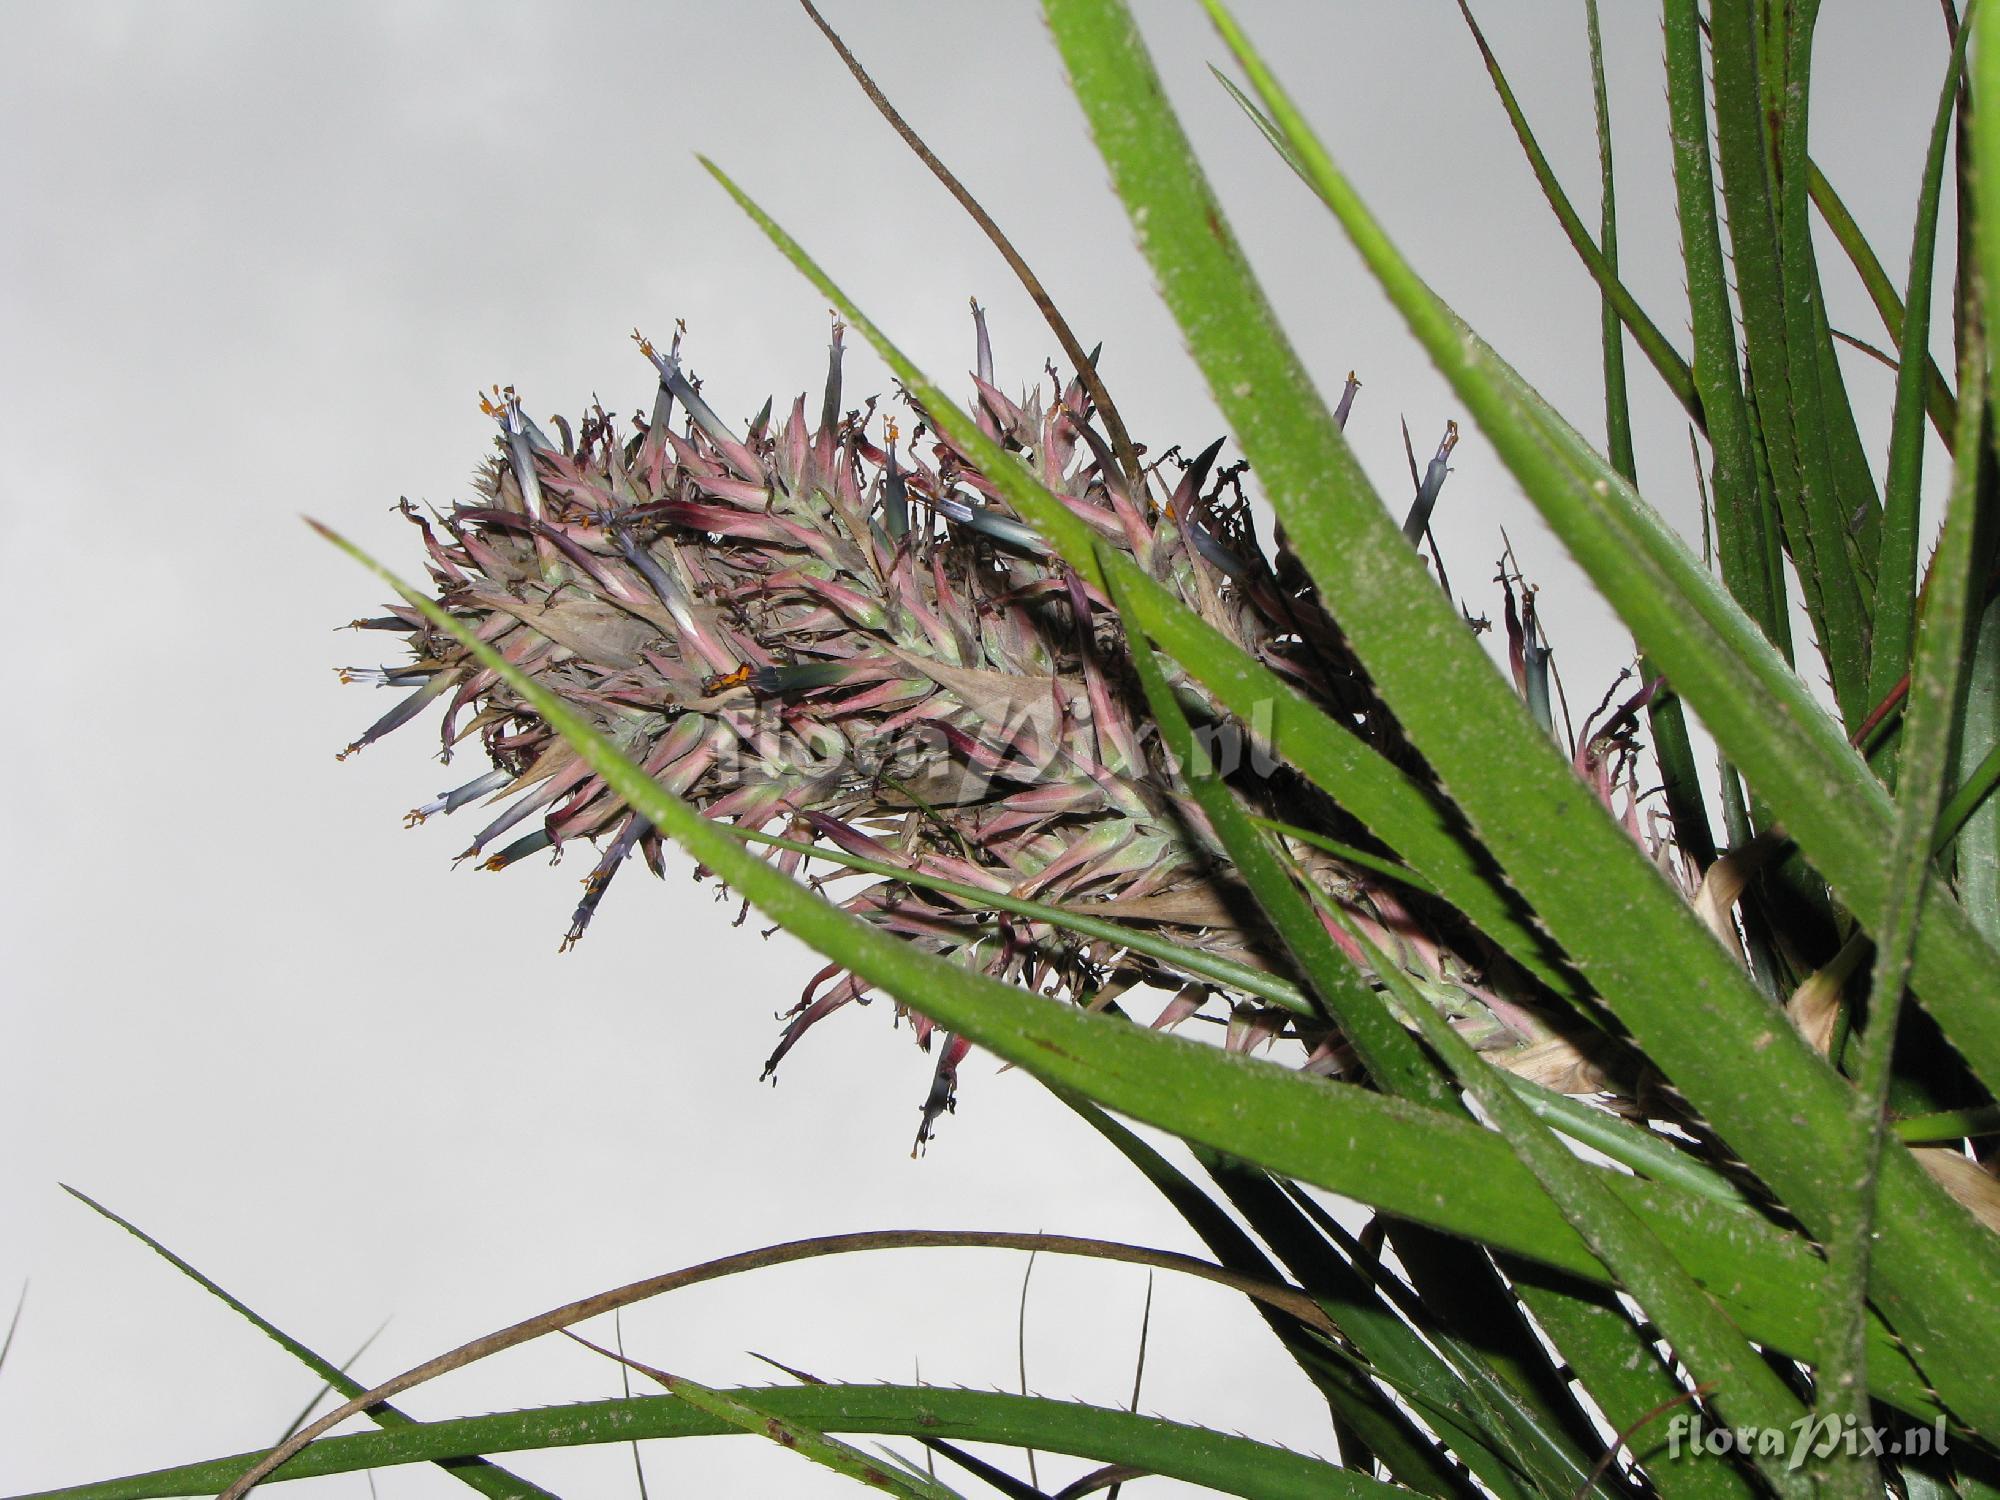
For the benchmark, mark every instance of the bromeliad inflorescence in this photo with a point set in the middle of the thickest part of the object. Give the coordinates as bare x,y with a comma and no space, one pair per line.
820,632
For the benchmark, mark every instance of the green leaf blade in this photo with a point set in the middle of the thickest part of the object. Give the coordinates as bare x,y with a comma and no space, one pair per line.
1683,998
1896,567
1223,1461
1408,1160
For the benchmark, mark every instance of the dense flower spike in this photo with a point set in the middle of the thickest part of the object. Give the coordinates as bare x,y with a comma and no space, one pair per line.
841,634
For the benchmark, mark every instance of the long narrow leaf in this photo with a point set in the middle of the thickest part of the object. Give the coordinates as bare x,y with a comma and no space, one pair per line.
1758,710
1641,1150
488,1479
755,1415
1648,1154
1585,905
1681,995
1214,968
1416,1163
1673,370
1745,521
1929,743
1671,746
1896,567
1389,1051
1222,1461
1746,153
1413,1162
1701,1333
1972,816
1796,747
1411,1457
1459,1287
1939,403
1427,1374
1620,1365
1385,1048
1805,404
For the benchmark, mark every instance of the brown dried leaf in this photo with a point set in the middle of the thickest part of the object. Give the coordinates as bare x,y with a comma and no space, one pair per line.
1815,1005
1966,1180
1555,1064
1724,884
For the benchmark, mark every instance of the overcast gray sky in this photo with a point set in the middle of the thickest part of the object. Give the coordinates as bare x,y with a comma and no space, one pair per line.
256,260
